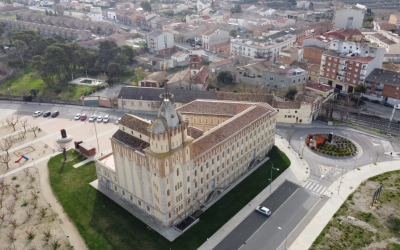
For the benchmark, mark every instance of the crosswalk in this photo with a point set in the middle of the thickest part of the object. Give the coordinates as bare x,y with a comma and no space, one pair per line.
314,187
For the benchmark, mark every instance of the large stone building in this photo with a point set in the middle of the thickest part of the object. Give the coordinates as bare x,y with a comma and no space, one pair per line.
170,167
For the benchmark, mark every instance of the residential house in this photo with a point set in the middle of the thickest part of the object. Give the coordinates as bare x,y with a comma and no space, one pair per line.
289,55
154,80
180,8
160,43
321,89
143,20
201,4
223,65
182,34
193,19
314,47
304,5
125,6
389,41
180,56
313,70
285,22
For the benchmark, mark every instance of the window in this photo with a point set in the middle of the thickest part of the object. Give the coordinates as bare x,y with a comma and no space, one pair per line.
201,180
188,190
139,203
195,173
177,172
188,179
123,192
212,173
169,204
148,208
168,192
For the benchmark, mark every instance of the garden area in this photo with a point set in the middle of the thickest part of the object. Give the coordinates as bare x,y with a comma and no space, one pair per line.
358,226
105,225
332,145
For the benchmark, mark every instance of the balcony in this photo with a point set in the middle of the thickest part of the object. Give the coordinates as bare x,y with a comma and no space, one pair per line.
343,62
342,67
323,58
379,87
363,72
379,93
364,66
368,84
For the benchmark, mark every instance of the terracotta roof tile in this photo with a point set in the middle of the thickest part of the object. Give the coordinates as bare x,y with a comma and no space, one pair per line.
194,132
130,140
318,86
228,128
135,123
201,77
214,107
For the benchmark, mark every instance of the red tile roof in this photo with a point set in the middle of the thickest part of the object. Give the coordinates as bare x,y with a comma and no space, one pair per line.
361,59
194,132
214,107
201,77
321,87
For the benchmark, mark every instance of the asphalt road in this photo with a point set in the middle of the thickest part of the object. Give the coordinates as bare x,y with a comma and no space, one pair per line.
379,109
255,220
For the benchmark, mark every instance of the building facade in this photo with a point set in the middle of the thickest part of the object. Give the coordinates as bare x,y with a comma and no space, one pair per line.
214,36
383,85
348,18
168,174
160,42
389,41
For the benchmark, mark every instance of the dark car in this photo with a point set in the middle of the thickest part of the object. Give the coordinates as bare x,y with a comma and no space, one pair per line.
46,114
376,101
364,98
55,114
387,105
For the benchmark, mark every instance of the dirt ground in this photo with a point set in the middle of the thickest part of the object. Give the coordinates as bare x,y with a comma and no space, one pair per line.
23,202
384,14
357,225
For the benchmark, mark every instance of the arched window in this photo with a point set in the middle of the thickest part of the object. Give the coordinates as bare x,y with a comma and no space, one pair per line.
177,172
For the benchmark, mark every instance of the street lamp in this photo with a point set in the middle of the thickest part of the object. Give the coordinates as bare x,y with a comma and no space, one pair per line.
270,180
341,178
286,236
355,163
370,164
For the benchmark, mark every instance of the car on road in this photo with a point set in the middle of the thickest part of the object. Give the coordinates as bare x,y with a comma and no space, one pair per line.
376,101
263,210
46,114
38,113
78,116
364,98
214,52
99,119
117,121
207,50
83,117
387,105
192,45
106,119
55,114
92,118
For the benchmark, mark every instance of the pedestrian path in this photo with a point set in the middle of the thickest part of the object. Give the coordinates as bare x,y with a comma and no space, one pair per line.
314,187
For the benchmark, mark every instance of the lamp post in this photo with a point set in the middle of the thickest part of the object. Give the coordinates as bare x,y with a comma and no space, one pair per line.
370,164
286,236
270,180
341,178
355,163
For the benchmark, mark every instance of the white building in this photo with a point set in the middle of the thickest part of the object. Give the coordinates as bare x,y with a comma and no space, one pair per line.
349,18
201,4
111,15
304,5
389,41
179,8
263,47
214,36
96,14
158,42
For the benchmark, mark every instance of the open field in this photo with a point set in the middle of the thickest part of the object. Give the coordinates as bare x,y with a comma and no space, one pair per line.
358,226
22,201
105,225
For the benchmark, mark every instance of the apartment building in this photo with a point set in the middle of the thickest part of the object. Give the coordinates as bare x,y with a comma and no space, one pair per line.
347,64
213,37
288,55
267,47
389,41
383,85
348,18
160,42
314,47
143,20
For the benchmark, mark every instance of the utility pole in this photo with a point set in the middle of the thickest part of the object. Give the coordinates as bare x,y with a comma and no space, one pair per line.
390,120
95,129
270,180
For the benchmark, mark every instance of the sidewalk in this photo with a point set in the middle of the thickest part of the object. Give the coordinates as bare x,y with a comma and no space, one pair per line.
351,181
296,173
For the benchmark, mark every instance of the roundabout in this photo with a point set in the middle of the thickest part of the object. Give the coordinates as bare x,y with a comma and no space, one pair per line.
331,145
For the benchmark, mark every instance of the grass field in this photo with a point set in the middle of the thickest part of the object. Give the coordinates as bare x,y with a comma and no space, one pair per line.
21,84
356,226
105,225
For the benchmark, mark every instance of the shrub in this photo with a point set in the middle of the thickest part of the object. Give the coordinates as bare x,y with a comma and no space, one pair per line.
313,147
320,140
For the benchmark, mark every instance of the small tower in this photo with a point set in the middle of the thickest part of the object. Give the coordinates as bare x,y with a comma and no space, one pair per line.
195,65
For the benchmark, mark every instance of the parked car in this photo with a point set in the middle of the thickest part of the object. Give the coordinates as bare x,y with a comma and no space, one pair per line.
55,114
192,45
215,52
106,119
397,106
38,113
117,121
92,118
364,98
83,117
78,116
99,119
387,105
376,101
46,114
263,210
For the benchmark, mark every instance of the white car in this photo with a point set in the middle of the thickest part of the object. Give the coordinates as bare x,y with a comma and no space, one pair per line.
106,119
214,52
92,118
78,116
263,210
99,119
38,113
117,121
397,106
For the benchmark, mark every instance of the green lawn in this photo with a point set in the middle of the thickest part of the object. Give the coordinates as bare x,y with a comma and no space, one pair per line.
31,80
105,225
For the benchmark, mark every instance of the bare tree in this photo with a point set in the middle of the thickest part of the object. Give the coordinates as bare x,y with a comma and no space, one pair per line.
55,243
47,233
32,247
11,207
6,144
30,233
12,221
5,159
11,236
34,204
2,215
1,202
34,128
24,124
29,212
42,210
26,170
12,121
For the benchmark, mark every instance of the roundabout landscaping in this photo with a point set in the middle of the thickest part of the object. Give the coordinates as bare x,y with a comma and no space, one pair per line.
331,145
